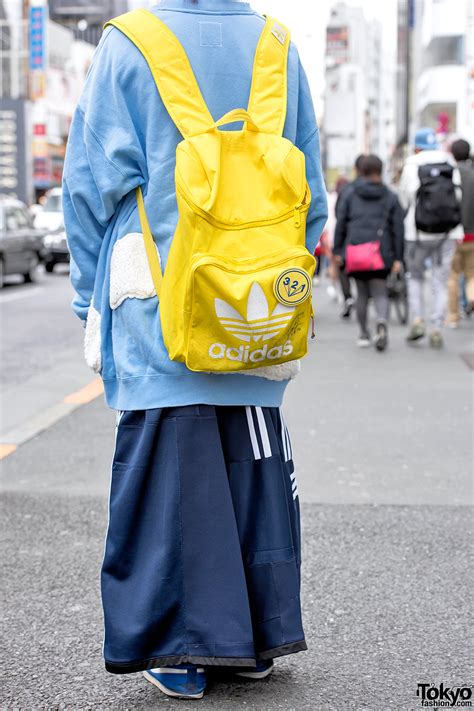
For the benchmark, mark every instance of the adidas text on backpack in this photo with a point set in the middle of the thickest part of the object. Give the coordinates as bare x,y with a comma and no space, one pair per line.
236,290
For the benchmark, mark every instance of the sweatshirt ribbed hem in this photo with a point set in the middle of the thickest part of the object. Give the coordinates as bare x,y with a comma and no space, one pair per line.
152,391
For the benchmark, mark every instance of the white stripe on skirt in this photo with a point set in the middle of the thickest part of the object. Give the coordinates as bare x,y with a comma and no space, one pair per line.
289,444
253,434
294,485
267,450
118,416
285,438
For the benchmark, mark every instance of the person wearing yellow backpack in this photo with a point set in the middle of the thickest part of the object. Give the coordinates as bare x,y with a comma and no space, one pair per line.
193,202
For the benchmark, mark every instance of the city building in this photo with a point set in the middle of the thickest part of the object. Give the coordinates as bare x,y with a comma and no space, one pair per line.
43,71
84,18
444,75
359,113
435,70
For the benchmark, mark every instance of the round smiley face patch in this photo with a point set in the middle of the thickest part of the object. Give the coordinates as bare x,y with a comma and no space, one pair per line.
292,287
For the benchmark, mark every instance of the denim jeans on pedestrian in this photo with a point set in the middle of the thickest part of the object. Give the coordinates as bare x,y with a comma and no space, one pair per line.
441,254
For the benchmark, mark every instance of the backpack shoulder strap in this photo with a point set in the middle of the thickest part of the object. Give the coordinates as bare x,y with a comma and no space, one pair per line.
268,93
170,68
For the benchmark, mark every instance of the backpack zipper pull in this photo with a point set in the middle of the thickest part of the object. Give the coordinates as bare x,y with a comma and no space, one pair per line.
296,211
313,334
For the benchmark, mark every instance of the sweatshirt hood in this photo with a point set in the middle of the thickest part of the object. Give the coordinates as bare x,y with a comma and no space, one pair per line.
369,191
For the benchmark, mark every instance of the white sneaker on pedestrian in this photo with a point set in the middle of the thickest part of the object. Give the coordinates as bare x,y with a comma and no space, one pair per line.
261,671
364,340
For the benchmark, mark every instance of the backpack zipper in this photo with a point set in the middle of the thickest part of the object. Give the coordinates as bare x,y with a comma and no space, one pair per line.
295,211
249,265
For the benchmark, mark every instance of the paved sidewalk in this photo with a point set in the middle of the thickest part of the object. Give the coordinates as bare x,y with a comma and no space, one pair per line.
384,589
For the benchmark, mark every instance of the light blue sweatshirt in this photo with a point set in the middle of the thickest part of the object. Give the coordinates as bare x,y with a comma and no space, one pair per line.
121,137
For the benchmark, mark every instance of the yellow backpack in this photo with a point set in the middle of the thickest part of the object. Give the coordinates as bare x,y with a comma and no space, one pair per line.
236,291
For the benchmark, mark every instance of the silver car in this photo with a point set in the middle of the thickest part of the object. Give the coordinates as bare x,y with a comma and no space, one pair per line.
20,242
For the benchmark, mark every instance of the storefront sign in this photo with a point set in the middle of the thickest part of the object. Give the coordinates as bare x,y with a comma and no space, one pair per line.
15,164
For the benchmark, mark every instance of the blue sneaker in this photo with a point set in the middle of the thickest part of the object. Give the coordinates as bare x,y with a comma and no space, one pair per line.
185,681
262,670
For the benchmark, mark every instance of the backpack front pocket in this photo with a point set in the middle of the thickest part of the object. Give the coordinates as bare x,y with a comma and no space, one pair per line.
244,314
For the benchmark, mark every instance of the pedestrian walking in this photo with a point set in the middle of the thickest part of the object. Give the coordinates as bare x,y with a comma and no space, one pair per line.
344,280
333,268
369,238
202,555
430,193
463,260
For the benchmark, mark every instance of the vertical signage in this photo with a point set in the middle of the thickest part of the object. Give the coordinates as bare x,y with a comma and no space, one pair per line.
41,161
14,150
411,14
37,38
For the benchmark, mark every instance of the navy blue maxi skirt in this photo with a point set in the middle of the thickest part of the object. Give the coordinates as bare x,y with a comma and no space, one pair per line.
202,556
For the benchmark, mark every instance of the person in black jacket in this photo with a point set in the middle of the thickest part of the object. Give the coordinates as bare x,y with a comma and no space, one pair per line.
370,212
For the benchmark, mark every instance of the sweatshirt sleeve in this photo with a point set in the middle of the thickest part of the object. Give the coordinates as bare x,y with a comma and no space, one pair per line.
104,161
307,140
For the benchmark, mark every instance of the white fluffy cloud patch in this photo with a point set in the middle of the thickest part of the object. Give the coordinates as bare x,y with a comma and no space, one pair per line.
282,371
130,276
92,351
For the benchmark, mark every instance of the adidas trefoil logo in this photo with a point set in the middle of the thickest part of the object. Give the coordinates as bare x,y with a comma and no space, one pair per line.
260,324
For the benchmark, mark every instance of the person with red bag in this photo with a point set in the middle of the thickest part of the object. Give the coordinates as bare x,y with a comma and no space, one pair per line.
369,238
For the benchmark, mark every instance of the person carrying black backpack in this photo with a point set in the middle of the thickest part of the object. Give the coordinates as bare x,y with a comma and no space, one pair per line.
369,238
430,192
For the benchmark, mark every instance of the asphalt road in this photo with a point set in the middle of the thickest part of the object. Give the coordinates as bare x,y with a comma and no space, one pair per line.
384,460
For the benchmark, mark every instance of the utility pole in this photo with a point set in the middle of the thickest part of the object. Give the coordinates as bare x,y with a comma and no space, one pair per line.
26,44
410,60
409,71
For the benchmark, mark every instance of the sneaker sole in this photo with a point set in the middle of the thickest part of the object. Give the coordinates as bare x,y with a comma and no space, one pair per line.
170,692
255,675
418,337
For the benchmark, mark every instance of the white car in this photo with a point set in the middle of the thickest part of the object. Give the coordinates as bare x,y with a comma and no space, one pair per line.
50,217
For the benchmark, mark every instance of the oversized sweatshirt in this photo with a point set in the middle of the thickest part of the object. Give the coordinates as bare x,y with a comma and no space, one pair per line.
122,137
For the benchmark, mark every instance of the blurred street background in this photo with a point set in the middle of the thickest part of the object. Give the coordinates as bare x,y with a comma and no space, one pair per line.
383,442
